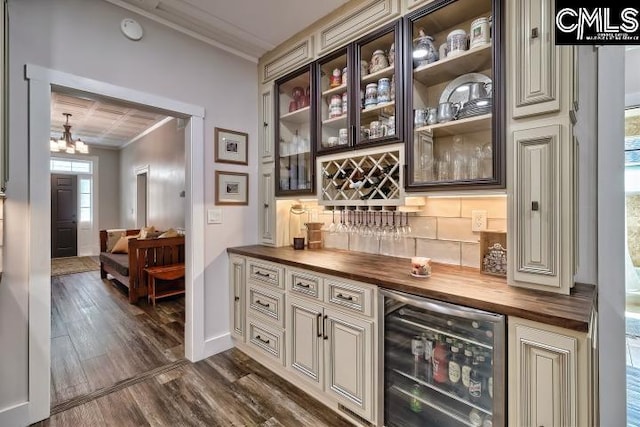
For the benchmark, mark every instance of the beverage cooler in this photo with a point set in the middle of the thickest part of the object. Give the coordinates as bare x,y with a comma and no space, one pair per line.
443,364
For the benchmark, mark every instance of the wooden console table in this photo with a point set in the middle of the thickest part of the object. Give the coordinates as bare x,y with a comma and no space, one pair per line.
168,273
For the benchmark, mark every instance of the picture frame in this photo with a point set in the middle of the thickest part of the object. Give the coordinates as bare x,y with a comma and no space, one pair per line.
231,146
232,188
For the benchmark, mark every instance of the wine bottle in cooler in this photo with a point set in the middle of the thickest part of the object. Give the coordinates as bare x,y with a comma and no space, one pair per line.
440,361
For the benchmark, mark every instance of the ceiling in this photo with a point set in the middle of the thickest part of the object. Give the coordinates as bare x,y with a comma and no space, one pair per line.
222,23
100,123
251,27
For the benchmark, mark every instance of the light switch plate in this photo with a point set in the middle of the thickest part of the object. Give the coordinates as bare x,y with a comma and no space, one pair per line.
478,220
214,216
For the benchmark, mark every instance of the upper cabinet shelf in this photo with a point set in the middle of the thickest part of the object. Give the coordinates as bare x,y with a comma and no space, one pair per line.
298,116
447,69
458,127
376,76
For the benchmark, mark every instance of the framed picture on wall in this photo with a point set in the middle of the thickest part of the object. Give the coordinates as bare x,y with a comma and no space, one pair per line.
231,146
232,188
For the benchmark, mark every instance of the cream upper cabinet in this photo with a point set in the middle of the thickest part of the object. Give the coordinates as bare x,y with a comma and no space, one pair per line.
349,363
413,4
355,22
542,231
550,384
287,58
267,205
265,139
540,71
236,291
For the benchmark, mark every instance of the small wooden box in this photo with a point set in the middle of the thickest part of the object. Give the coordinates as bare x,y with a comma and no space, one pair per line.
493,253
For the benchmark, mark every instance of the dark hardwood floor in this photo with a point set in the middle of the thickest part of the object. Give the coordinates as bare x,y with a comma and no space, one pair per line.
99,339
116,364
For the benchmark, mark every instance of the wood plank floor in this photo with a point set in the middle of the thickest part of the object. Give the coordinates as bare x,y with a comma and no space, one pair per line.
116,364
99,339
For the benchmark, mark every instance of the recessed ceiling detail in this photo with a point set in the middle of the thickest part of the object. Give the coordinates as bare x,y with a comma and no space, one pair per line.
99,123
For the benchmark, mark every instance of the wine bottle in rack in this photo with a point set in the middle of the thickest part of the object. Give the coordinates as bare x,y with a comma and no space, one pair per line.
382,192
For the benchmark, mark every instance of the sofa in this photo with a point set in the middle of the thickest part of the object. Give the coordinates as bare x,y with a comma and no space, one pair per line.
129,268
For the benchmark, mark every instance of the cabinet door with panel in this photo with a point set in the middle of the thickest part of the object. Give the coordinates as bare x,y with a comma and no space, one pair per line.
305,340
549,376
542,230
237,279
540,70
266,118
267,205
348,349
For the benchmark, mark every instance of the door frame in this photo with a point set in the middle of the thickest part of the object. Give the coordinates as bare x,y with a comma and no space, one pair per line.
41,80
142,170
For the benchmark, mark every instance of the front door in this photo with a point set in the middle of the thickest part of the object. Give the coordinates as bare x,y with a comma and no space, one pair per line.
64,205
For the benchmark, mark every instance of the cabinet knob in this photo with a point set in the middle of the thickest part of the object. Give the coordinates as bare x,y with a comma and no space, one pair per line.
236,298
534,33
535,206
265,124
266,205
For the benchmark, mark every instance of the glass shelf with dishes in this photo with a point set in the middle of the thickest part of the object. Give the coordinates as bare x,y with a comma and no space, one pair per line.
453,137
332,74
295,159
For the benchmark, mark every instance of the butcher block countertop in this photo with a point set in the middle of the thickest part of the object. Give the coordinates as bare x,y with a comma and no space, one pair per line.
457,285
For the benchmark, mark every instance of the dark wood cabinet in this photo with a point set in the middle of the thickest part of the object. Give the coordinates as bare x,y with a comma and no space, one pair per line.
348,115
295,106
454,74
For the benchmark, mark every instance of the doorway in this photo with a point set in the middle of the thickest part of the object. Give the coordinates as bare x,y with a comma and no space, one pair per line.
41,81
142,205
64,208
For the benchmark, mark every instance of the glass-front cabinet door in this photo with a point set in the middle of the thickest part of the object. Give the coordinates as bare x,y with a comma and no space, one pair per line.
334,126
294,145
454,96
378,92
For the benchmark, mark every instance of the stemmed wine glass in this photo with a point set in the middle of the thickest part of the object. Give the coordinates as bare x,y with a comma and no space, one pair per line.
332,227
342,227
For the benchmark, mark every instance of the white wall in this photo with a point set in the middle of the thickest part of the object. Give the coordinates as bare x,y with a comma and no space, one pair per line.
82,37
108,187
162,150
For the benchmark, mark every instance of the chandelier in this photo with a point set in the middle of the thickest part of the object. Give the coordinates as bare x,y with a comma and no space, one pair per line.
66,144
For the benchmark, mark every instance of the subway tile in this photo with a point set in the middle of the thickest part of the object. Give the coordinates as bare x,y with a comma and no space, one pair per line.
456,229
496,207
363,244
446,252
470,255
423,226
444,207
497,224
336,240
403,248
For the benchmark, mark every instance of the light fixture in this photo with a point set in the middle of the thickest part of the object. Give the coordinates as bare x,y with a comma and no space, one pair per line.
66,144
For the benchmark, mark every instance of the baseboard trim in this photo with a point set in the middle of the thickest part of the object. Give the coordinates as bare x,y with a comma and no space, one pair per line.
15,416
217,345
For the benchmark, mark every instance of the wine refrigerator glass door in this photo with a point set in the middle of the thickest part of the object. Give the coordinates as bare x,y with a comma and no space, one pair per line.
443,363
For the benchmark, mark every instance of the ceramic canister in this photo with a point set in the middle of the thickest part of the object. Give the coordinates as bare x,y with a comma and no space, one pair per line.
456,42
344,76
479,34
378,61
335,106
371,95
345,99
384,90
364,67
336,78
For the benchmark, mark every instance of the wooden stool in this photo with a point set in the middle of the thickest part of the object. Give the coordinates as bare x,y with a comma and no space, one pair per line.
164,272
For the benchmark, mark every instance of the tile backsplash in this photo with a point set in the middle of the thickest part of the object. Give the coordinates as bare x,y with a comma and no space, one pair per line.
440,230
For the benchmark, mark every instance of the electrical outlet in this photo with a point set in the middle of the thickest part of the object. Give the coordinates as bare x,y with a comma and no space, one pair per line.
478,220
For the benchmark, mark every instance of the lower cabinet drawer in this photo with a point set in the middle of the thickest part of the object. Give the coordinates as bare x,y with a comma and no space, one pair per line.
265,304
354,297
303,283
266,340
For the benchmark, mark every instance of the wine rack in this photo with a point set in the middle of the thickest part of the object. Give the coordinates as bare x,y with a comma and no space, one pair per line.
371,178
